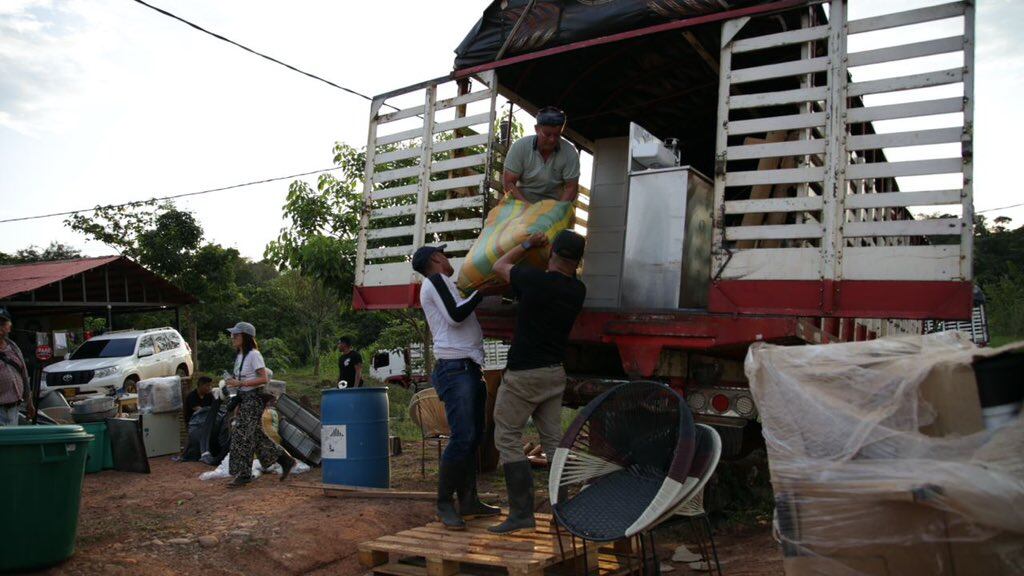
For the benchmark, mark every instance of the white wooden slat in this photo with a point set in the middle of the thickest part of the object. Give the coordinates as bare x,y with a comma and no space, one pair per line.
452,183
463,122
773,264
463,142
455,203
912,82
392,211
771,124
774,232
906,110
400,114
907,51
389,274
455,225
903,199
463,99
778,98
456,163
396,174
798,36
897,139
389,252
403,154
896,19
386,193
774,150
785,176
794,68
399,136
390,232
797,204
458,246
907,168
941,262
932,227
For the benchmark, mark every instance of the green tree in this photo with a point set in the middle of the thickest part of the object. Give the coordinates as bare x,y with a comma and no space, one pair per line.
314,307
55,251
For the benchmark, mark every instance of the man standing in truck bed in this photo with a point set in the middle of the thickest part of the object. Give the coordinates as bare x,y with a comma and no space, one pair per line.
534,379
543,166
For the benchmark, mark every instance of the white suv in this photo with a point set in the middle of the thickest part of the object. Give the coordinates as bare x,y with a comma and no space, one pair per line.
116,361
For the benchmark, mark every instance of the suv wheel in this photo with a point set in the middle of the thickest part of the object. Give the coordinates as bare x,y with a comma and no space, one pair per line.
181,371
130,385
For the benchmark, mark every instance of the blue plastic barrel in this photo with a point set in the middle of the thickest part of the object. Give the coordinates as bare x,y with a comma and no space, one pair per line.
354,437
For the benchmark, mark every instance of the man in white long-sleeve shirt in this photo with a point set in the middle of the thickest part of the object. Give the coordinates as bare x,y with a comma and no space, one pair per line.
458,379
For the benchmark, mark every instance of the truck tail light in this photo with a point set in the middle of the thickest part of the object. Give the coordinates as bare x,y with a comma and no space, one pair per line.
720,402
744,405
697,401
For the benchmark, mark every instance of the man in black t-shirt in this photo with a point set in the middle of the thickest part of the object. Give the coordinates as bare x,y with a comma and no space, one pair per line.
198,398
350,363
534,379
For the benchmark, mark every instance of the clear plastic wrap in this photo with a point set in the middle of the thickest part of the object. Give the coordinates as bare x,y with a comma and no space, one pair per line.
158,395
880,460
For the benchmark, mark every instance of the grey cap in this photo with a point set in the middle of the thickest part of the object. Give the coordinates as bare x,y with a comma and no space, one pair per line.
243,328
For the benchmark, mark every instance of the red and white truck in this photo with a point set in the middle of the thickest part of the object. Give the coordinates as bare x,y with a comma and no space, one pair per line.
786,208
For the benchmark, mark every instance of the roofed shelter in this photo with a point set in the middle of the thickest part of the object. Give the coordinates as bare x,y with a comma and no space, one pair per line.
55,296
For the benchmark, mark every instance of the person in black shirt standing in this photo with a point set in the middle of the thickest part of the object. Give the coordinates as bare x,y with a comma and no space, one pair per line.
534,379
350,363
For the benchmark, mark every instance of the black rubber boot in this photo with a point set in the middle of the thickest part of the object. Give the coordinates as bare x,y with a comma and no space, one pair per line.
519,479
287,463
447,481
470,505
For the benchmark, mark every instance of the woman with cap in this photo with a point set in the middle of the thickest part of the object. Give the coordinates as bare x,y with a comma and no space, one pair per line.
247,436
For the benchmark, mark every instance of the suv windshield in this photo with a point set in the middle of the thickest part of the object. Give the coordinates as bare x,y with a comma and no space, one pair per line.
115,348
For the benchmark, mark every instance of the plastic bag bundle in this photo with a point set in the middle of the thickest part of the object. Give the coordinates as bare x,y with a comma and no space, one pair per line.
159,395
509,224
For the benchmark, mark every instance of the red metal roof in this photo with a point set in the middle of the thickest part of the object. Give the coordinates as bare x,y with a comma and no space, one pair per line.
18,278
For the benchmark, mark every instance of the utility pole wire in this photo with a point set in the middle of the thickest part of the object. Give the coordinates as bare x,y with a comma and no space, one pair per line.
260,54
171,197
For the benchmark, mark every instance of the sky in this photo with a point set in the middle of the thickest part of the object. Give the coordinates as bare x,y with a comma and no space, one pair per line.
106,101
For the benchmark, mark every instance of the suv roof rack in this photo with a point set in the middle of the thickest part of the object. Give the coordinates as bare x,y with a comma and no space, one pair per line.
144,330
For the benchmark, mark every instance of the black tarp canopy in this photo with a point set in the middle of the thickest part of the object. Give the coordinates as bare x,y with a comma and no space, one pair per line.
666,81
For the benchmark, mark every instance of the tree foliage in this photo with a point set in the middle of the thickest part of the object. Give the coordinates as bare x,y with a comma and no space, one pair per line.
55,251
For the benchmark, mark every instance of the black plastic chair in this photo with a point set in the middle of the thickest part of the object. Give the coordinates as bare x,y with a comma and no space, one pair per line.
623,464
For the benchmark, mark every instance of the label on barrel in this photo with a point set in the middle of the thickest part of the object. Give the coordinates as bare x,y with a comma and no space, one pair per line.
334,439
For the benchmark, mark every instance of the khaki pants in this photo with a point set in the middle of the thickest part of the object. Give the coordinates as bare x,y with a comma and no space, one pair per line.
526,393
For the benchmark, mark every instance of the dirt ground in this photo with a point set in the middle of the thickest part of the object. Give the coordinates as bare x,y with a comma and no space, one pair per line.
170,522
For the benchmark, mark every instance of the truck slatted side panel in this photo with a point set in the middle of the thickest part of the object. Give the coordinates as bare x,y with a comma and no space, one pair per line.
427,178
828,156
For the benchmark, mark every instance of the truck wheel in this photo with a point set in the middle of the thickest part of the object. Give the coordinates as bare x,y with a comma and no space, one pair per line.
181,371
130,385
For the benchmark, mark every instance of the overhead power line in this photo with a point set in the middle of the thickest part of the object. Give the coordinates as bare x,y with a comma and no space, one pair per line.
260,54
1000,208
171,197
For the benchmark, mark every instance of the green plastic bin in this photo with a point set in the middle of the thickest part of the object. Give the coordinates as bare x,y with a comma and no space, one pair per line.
100,455
41,470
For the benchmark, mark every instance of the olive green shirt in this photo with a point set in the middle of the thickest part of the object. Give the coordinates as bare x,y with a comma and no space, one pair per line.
540,180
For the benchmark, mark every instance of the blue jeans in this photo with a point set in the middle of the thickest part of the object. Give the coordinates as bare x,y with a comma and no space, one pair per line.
460,385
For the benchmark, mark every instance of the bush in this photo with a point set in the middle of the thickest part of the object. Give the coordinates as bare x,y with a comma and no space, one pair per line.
278,355
216,356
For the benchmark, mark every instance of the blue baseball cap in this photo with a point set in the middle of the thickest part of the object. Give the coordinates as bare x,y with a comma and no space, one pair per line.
422,256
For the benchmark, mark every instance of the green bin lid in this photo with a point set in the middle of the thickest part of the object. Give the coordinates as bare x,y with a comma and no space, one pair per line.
21,435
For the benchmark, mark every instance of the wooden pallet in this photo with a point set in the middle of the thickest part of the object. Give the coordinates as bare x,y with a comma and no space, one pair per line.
433,551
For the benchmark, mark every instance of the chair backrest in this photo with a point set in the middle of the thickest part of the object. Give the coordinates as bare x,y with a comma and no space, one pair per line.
636,433
427,411
705,462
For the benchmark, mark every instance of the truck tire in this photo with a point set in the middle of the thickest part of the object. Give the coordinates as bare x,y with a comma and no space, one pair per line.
181,371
